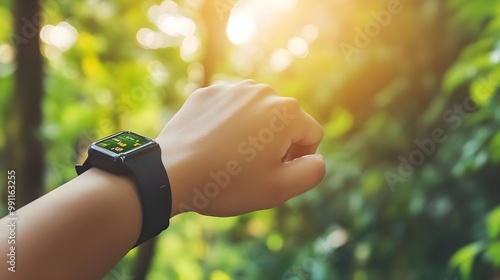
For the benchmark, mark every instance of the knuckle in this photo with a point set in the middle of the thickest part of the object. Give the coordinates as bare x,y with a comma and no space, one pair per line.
291,103
262,93
265,90
249,81
288,102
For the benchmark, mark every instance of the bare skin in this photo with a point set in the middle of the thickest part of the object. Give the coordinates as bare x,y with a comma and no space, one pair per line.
231,149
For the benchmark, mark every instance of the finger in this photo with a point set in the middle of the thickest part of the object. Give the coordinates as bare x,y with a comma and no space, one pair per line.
300,175
306,138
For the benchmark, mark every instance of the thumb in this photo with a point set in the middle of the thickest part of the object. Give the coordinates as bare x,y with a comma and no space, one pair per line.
302,174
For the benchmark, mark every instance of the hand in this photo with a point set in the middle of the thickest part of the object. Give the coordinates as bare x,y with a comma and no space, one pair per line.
237,148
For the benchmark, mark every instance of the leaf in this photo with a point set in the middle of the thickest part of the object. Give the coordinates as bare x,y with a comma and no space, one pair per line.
464,258
493,223
219,275
340,122
482,90
493,252
458,75
494,148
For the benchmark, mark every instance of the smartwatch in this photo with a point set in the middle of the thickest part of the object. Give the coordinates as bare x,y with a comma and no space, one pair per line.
129,154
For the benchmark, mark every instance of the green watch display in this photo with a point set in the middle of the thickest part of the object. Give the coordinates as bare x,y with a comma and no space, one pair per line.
130,154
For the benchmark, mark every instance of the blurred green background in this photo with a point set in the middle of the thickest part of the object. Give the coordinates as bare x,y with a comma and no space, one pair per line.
407,92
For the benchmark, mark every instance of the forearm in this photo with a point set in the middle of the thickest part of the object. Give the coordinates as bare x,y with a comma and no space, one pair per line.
78,231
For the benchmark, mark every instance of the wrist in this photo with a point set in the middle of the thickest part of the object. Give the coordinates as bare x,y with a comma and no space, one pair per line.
138,157
178,183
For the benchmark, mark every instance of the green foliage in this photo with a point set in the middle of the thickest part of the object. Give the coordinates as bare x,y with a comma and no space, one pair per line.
479,65
493,223
464,258
493,252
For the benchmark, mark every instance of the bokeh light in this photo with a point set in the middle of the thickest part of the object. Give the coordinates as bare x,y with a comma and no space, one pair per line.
175,29
338,237
298,47
62,36
280,60
189,47
309,32
6,54
150,39
176,25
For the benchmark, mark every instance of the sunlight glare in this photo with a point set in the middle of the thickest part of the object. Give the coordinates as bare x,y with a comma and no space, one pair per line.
241,26
285,5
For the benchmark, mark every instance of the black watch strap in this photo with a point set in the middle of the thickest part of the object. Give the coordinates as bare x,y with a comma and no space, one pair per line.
80,168
156,196
154,187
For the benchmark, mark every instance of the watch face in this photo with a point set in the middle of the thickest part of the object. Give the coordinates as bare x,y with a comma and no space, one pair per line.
123,142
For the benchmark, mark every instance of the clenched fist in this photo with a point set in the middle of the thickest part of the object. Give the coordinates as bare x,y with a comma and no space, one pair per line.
236,148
